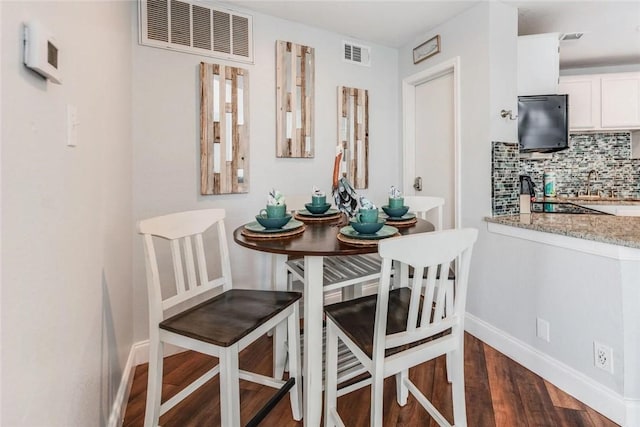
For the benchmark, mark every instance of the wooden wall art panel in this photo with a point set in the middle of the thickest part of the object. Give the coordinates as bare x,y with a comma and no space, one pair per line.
353,134
295,80
224,129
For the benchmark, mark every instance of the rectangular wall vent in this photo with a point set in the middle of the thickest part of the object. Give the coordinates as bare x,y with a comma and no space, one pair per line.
192,27
356,54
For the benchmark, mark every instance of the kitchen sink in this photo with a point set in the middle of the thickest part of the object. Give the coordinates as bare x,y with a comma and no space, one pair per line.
618,210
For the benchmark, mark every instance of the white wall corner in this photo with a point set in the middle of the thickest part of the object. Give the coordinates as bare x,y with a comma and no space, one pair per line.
138,355
604,400
122,395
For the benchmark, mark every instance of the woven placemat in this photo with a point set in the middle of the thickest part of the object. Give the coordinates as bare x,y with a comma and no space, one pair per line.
361,242
317,218
402,222
288,233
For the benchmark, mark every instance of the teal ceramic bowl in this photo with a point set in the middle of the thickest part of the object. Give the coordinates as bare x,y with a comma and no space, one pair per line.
367,227
271,223
395,212
317,209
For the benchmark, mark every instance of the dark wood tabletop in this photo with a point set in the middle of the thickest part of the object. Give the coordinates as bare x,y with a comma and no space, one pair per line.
318,239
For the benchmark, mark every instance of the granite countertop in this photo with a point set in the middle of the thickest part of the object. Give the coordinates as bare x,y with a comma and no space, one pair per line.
616,230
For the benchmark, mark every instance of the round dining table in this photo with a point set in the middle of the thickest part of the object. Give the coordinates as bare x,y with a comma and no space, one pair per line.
319,239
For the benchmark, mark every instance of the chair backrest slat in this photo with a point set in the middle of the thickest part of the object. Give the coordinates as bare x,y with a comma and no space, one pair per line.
181,230
414,304
434,251
189,263
439,306
178,272
202,261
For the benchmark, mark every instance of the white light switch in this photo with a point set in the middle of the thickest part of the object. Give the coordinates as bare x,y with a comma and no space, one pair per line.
72,125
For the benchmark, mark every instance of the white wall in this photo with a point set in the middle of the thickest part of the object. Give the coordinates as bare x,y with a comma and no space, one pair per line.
487,80
66,218
166,136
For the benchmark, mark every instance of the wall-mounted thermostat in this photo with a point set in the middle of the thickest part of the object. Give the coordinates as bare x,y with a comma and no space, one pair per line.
41,51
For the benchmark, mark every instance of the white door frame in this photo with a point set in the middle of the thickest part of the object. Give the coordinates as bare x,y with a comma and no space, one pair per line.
409,127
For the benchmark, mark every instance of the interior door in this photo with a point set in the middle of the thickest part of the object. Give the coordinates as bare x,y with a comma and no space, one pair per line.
434,142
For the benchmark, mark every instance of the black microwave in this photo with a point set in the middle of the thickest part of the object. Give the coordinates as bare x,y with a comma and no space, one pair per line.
543,123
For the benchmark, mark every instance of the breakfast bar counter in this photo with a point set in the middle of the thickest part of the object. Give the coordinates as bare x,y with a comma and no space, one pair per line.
615,230
593,262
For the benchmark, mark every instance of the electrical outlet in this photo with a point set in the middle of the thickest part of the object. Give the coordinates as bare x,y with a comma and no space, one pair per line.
603,357
542,329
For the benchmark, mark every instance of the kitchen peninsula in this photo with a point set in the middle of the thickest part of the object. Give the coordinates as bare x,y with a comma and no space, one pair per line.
580,273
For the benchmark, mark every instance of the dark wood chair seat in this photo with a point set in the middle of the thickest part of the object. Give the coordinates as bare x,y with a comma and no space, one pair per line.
225,319
356,318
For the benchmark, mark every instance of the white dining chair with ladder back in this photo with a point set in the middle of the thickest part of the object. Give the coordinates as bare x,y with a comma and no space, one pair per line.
189,309
404,327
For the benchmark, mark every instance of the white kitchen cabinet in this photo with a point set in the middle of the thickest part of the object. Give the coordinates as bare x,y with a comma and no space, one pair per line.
538,64
603,101
584,101
620,100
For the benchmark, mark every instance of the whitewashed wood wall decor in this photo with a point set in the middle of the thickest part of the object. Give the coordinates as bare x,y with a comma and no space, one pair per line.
353,134
295,80
224,129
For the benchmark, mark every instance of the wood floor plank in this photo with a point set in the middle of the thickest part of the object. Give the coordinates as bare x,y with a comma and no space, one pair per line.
598,419
506,401
477,390
573,418
499,392
561,399
538,407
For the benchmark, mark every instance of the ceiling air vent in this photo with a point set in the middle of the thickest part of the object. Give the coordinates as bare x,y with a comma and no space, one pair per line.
192,27
356,54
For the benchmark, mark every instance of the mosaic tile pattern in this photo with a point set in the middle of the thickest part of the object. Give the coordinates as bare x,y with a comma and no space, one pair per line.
609,154
505,186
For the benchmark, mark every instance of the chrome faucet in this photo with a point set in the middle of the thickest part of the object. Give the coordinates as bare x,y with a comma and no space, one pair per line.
595,175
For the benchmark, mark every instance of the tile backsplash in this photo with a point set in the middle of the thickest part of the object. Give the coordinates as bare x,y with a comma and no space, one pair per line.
505,182
609,154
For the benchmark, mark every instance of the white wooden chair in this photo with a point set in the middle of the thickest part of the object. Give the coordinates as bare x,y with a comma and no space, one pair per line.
427,207
219,326
400,328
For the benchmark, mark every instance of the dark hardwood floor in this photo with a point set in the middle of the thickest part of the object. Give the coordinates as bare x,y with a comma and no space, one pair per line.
499,392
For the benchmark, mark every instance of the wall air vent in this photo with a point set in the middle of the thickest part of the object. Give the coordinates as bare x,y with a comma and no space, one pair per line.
193,27
356,54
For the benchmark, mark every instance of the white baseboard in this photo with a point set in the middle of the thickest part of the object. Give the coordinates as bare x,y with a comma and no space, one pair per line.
138,355
602,399
122,395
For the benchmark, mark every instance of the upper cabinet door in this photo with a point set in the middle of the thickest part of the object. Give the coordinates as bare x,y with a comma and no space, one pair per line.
584,101
621,101
538,64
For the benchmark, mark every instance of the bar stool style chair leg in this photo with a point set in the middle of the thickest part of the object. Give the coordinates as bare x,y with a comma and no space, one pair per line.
220,326
409,328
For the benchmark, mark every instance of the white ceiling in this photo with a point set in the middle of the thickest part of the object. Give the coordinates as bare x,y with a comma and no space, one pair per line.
612,28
